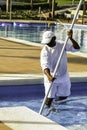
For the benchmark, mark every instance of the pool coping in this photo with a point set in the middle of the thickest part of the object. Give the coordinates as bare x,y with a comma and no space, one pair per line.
19,79
26,119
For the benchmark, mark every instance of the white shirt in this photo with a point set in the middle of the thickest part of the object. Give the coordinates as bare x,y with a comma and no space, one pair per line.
50,56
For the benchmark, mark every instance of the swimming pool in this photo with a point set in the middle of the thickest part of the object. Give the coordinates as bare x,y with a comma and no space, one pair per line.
32,31
72,112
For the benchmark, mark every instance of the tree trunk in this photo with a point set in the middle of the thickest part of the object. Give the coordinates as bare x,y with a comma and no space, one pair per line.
84,10
31,4
53,8
50,3
7,6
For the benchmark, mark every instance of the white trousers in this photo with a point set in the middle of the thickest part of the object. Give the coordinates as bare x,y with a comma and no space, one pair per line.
58,89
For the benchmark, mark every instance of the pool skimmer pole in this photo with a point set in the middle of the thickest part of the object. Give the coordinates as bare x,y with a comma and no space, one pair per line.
59,59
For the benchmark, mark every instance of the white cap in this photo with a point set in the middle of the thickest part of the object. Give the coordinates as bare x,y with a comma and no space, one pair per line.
47,36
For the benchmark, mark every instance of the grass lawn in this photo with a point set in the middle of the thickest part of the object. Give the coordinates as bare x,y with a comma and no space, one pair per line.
65,2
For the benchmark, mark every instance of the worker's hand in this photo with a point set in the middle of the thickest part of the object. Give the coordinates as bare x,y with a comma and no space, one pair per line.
70,33
48,74
51,79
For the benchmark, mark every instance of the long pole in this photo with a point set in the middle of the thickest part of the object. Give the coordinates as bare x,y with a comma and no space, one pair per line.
57,65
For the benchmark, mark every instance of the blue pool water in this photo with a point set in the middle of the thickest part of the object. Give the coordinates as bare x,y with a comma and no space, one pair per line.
72,113
33,31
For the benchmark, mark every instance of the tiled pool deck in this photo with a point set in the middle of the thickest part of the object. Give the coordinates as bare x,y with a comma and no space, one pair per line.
20,65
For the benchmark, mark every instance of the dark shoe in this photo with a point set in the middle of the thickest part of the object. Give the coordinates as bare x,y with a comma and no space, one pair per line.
48,102
62,98
59,100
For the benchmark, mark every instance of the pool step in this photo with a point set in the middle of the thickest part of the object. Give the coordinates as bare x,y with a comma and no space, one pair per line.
23,118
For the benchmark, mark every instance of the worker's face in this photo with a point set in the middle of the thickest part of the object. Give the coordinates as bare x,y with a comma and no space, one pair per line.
52,42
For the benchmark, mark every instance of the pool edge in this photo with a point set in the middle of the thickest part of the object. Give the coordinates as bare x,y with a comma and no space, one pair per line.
21,79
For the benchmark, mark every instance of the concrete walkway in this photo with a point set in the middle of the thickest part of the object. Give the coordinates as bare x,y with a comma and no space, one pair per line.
23,57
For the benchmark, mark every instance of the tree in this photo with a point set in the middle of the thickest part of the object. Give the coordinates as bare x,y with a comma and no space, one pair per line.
7,5
53,8
52,5
31,4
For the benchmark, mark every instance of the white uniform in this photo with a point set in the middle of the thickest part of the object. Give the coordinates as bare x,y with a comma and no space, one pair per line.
49,57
